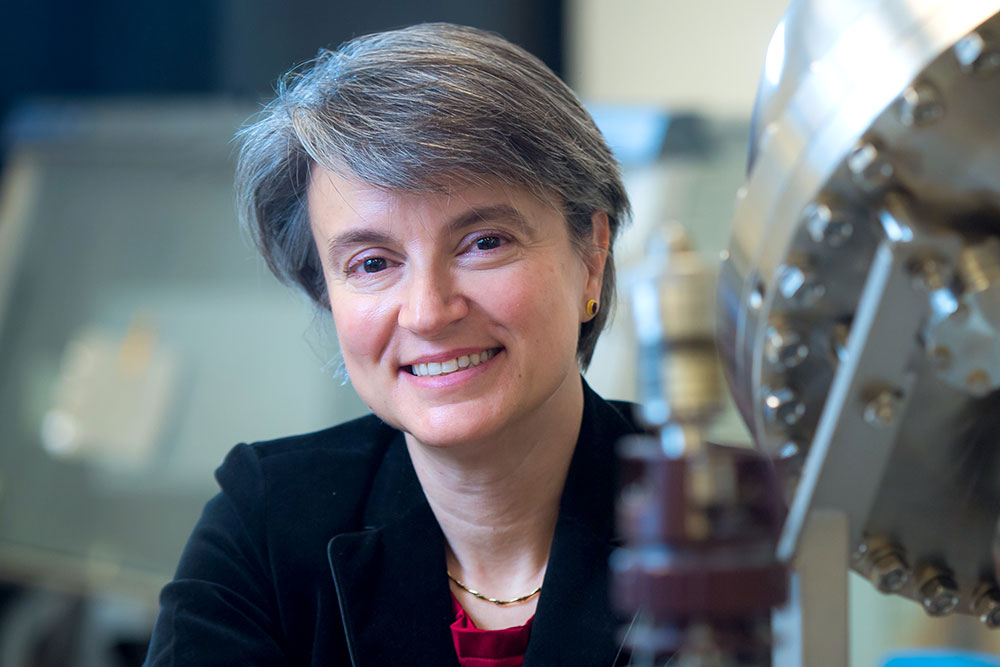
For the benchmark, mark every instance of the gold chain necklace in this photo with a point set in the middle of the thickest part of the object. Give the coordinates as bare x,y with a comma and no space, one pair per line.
499,603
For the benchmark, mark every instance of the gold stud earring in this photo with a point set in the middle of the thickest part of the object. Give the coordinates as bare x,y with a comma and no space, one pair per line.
592,308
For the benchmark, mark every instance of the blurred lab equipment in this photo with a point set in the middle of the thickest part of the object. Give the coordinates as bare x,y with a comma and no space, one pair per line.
698,572
140,339
857,323
858,328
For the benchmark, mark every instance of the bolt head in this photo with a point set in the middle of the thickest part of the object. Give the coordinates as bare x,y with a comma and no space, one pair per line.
870,168
977,55
939,596
838,339
987,608
784,349
799,286
889,573
756,297
782,407
881,409
826,225
920,105
978,382
941,357
929,273
788,450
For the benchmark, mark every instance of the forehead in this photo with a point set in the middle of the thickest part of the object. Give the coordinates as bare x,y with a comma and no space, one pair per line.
336,200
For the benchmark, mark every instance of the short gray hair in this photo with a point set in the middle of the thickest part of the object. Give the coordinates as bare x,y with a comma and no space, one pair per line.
417,110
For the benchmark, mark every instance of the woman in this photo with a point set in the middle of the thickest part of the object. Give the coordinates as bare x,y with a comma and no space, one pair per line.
452,204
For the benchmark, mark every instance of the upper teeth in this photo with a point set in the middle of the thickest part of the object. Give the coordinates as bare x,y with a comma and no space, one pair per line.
452,365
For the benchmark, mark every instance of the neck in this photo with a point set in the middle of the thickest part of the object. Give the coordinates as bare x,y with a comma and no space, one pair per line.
497,501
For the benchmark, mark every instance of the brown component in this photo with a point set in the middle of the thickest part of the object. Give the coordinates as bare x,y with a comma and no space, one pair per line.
700,535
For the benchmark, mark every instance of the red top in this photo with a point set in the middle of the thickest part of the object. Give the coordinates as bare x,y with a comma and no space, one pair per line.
487,648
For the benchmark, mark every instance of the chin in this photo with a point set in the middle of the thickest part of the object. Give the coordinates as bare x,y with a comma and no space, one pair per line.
449,430
447,438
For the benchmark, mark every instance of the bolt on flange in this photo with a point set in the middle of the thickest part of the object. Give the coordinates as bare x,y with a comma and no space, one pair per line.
783,407
920,105
939,594
930,273
799,285
827,224
784,348
976,54
882,406
870,167
986,606
889,573
885,563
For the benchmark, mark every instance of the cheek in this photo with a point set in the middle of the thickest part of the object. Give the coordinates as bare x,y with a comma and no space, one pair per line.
363,327
541,305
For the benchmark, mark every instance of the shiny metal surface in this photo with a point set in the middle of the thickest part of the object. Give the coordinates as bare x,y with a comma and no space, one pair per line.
858,316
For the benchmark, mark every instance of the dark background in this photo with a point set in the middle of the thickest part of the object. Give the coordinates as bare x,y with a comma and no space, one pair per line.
169,50
230,47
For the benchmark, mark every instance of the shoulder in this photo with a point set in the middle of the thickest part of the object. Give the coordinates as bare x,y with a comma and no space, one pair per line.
304,472
255,569
611,418
350,438
627,412
364,438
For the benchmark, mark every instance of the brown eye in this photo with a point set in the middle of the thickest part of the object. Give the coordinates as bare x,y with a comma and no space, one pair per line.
374,264
488,243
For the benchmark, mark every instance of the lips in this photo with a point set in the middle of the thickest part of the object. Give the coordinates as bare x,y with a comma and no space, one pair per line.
437,368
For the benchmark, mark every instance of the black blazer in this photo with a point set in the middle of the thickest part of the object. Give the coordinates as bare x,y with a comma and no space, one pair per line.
321,549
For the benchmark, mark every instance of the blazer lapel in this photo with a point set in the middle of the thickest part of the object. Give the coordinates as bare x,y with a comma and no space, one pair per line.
574,624
390,577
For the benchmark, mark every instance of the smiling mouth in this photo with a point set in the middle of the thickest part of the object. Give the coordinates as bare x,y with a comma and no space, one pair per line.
435,368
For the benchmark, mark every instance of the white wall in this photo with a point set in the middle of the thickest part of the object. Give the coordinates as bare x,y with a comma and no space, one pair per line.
703,55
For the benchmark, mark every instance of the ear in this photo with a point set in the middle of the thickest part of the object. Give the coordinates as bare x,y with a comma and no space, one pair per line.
597,254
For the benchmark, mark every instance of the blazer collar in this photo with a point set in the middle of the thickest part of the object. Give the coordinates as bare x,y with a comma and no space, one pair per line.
574,624
392,584
390,577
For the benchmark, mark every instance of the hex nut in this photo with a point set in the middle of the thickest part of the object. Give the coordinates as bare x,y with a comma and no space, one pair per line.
784,348
978,382
880,410
838,339
987,608
929,273
941,357
977,55
756,296
789,450
799,285
889,572
870,168
782,407
920,105
827,225
939,595
962,334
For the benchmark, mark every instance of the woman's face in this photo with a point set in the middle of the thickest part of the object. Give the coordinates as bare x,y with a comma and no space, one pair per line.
457,314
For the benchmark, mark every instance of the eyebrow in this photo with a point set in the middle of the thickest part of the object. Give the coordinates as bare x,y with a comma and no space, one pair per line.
460,222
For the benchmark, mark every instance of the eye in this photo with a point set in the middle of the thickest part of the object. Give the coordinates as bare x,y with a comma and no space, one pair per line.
374,264
488,242
365,267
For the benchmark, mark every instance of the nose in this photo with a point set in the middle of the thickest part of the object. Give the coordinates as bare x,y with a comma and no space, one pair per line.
431,302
